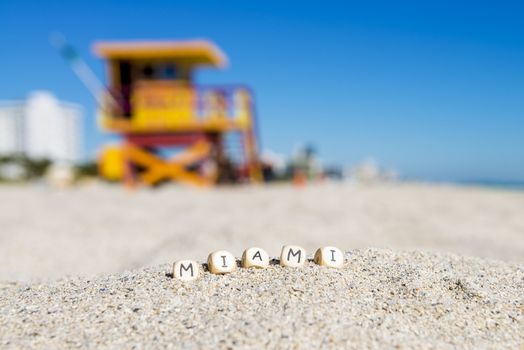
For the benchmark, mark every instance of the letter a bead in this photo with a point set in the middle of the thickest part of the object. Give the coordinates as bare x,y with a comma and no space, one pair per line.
329,256
221,262
186,270
255,257
292,256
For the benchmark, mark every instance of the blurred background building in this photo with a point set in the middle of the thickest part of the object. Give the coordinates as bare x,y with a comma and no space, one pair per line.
41,127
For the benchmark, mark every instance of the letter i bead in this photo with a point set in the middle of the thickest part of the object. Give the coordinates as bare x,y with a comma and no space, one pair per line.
221,262
329,256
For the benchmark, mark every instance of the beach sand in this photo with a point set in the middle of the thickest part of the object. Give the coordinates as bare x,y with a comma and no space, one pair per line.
378,299
46,234
87,267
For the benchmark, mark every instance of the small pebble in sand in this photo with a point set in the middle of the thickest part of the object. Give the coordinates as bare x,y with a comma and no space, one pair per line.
221,262
329,256
292,256
255,257
186,270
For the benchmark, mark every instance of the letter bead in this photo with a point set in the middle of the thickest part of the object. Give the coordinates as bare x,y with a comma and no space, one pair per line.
186,270
329,256
221,262
255,257
292,256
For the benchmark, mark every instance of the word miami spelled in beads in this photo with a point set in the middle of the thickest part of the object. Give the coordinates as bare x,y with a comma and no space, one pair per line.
223,262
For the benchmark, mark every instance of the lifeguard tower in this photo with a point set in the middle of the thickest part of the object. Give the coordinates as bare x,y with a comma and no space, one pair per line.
171,128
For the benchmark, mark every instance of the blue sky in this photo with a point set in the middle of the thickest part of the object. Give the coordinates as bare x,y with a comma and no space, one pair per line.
432,89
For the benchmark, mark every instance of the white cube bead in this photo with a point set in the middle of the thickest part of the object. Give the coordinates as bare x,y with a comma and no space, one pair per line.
329,256
292,256
255,257
221,262
186,270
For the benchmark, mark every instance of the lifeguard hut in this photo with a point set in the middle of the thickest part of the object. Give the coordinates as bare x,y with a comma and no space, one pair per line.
171,128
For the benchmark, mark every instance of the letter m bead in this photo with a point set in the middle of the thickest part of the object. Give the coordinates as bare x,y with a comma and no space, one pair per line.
292,256
186,270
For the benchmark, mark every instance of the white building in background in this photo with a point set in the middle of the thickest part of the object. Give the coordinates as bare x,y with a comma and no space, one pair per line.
11,127
41,127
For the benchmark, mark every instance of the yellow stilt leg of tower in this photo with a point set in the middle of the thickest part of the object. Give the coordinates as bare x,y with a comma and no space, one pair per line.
157,169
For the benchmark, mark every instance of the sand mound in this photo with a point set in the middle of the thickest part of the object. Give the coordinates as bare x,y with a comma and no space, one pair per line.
380,298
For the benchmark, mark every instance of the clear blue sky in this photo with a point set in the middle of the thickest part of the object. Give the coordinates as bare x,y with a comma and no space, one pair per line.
434,89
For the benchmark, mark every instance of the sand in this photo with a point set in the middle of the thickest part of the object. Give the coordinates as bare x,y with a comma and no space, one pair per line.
47,234
87,267
379,299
